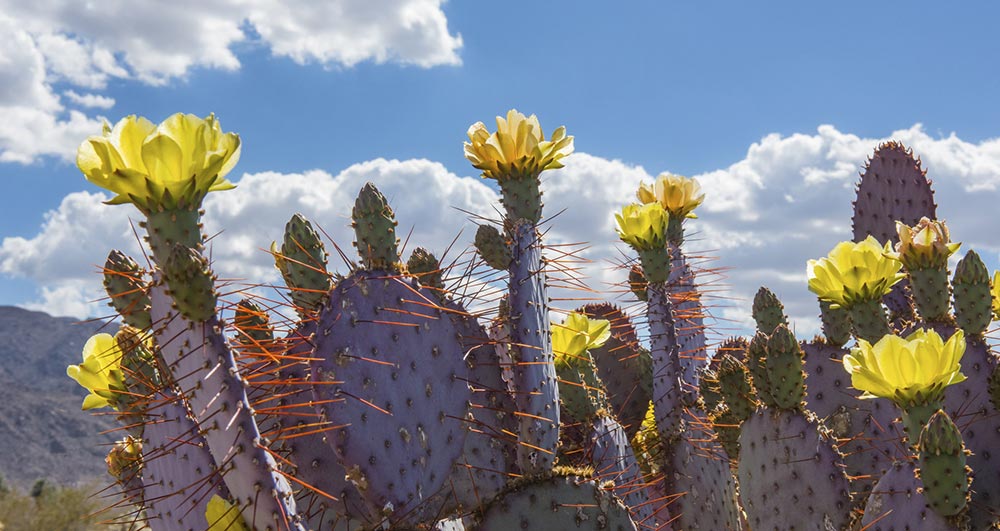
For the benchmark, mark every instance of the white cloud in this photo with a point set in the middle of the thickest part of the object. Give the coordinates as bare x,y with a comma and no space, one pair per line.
760,238
90,100
86,44
75,238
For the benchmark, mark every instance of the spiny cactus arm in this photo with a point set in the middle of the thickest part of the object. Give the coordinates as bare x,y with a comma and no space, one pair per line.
123,281
667,373
179,473
534,375
612,459
204,370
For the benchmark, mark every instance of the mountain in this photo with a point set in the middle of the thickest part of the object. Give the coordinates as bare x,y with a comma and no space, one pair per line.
43,432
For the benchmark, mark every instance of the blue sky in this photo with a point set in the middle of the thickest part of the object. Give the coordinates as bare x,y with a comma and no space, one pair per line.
754,97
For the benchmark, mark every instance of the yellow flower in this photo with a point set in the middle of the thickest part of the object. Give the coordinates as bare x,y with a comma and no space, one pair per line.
223,516
124,456
854,272
643,226
911,371
100,373
678,195
167,166
926,245
995,292
517,149
576,335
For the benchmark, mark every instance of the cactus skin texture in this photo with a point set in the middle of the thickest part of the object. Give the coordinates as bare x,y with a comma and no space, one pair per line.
897,504
689,316
557,502
389,366
768,312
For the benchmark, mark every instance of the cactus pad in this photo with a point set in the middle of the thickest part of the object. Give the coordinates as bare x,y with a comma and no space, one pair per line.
560,502
390,371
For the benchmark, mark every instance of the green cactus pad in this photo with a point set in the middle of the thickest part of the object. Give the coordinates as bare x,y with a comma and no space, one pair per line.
522,197
191,283
783,365
942,465
727,430
427,268
493,247
253,325
303,262
581,393
768,311
737,391
973,301
756,357
123,283
930,291
559,502
375,230
164,229
836,323
655,265
637,282
868,320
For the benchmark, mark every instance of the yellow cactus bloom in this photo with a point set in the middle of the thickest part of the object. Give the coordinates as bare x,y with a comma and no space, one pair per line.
166,166
679,195
223,516
995,292
853,272
926,245
576,335
100,373
643,226
124,456
517,149
910,371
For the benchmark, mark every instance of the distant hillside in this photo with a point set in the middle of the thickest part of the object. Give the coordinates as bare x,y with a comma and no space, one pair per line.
44,433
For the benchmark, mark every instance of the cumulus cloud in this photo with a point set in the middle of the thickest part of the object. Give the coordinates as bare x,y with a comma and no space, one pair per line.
75,238
90,100
788,200
86,44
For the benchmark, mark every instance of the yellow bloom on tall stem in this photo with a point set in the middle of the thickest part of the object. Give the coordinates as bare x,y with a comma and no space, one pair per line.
643,226
517,149
912,371
576,335
100,373
168,166
679,195
854,272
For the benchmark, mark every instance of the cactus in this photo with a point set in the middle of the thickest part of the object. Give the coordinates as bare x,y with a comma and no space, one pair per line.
388,405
